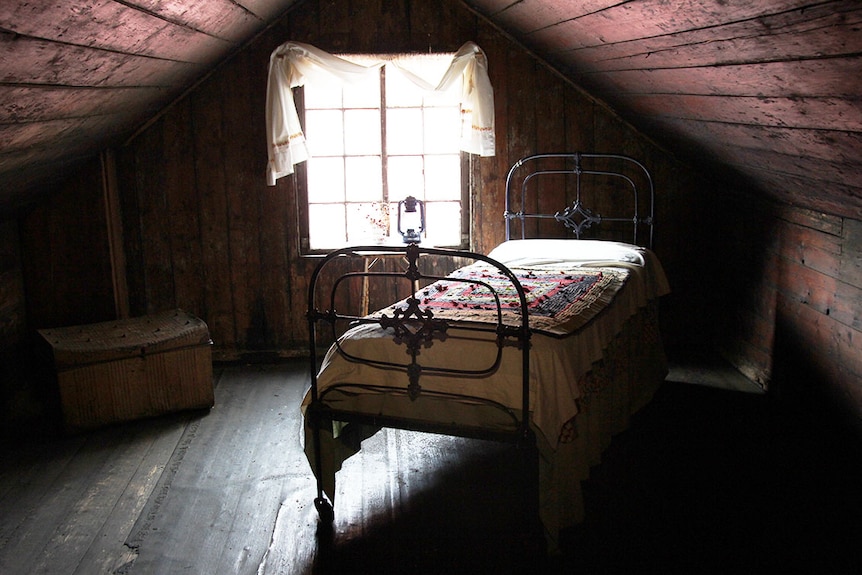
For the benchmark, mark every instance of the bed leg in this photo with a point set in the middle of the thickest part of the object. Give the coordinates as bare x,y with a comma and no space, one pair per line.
324,509
325,533
532,536
321,503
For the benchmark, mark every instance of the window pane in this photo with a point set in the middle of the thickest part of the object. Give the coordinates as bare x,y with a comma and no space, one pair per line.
404,131
326,226
362,132
324,132
447,98
405,177
364,179
428,67
322,94
364,93
443,177
326,179
350,202
367,222
443,223
401,92
442,130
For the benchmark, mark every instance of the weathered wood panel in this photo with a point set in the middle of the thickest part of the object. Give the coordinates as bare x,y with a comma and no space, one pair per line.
182,210
531,15
843,200
12,304
243,183
25,139
239,251
818,113
793,310
549,137
266,9
149,51
111,26
811,78
785,160
278,216
66,264
635,20
785,34
816,349
851,262
491,172
207,108
223,19
155,266
47,63
38,103
706,79
838,172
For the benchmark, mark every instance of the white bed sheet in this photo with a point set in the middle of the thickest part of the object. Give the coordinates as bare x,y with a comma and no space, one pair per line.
556,364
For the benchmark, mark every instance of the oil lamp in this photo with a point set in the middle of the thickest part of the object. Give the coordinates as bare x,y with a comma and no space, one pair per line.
411,222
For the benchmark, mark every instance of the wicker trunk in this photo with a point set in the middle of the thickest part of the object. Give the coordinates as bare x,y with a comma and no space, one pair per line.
129,369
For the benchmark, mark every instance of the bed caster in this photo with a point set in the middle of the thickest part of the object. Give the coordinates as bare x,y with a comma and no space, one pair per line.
324,510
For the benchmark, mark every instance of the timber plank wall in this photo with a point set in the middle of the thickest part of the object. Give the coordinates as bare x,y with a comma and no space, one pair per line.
794,277
202,230
777,287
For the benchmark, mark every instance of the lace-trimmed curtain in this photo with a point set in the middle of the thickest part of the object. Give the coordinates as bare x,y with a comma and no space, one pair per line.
293,64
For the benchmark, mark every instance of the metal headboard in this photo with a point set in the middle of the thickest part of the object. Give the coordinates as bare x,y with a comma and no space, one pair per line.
578,217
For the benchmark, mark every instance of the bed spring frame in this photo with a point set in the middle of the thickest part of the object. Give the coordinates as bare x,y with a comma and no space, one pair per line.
578,218
415,327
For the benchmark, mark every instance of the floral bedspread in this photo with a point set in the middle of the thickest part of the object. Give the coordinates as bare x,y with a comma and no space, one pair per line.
559,300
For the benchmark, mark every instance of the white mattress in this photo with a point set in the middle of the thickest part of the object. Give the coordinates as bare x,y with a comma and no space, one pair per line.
555,363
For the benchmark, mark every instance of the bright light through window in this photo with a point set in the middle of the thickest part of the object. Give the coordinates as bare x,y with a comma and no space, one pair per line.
374,143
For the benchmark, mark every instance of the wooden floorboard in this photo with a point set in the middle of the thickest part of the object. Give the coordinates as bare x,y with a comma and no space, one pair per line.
707,480
68,504
242,470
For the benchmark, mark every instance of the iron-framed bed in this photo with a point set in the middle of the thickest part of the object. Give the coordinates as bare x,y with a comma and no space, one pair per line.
548,343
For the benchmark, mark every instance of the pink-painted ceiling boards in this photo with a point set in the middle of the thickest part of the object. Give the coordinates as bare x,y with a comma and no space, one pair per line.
767,91
79,75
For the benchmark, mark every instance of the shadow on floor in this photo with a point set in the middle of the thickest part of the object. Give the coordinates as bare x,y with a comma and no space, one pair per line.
706,480
709,480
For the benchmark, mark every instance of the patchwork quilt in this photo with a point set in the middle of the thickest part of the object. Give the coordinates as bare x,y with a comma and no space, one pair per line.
559,300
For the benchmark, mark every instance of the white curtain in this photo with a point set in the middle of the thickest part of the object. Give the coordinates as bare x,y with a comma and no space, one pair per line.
293,64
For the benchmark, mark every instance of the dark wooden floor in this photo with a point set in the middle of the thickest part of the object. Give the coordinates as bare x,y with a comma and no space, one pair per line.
706,480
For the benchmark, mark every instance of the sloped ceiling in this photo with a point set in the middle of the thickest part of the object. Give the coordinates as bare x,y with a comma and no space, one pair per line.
763,92
77,76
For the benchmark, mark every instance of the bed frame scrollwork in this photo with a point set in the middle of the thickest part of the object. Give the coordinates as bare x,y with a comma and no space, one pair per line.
578,217
415,328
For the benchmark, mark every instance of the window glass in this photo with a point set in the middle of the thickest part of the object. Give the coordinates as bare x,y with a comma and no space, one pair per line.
323,95
439,137
404,131
405,177
375,142
363,93
442,173
370,221
400,91
323,132
361,132
326,178
447,223
326,225
364,179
